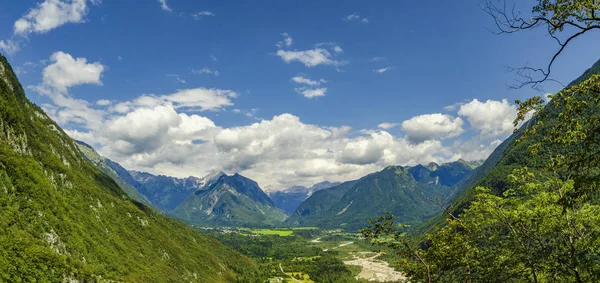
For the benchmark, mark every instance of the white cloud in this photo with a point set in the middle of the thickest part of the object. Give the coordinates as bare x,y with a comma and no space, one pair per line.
165,134
103,102
164,6
474,148
383,70
200,15
214,58
432,126
383,148
491,118
66,71
9,47
319,55
311,93
387,126
310,58
356,17
206,71
51,14
307,81
286,42
454,106
196,99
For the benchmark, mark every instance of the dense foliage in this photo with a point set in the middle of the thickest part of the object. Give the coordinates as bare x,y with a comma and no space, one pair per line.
61,218
292,254
535,216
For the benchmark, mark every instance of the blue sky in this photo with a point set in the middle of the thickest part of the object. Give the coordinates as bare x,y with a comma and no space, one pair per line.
220,75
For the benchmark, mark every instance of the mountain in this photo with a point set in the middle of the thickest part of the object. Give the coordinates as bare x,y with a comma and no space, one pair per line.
289,199
167,192
119,174
407,192
230,201
509,155
64,220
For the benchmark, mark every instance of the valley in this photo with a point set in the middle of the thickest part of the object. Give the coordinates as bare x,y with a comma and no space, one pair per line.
299,141
309,254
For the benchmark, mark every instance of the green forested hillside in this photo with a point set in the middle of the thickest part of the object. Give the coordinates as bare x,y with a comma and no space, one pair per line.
106,165
62,219
531,214
512,154
409,192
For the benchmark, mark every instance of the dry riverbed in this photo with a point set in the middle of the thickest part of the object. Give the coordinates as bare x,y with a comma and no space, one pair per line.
375,270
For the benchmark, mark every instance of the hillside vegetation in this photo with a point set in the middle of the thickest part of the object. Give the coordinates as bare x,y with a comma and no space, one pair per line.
62,219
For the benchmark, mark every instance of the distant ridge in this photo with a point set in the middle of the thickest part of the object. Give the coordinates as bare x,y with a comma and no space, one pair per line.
407,192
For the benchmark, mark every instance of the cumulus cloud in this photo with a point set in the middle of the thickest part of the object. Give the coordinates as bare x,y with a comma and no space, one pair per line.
9,47
103,102
387,125
312,92
383,148
164,6
454,106
168,134
51,14
356,18
307,81
310,58
322,53
432,126
66,71
474,148
491,118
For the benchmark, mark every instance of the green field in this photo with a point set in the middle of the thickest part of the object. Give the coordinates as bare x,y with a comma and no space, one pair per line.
280,232
283,232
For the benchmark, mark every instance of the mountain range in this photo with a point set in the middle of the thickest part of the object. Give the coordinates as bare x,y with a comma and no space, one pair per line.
214,200
407,192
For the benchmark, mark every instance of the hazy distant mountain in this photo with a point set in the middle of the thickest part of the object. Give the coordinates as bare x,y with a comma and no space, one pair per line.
289,199
167,192
405,191
230,201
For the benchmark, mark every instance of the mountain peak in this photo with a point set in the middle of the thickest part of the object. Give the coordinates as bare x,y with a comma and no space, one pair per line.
432,166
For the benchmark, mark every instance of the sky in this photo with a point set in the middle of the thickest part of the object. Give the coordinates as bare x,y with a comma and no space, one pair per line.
283,92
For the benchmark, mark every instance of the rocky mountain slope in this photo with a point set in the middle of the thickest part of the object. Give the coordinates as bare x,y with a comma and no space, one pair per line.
230,201
167,192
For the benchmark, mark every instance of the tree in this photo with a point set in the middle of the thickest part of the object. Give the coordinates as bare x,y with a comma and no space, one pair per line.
523,235
564,20
545,226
